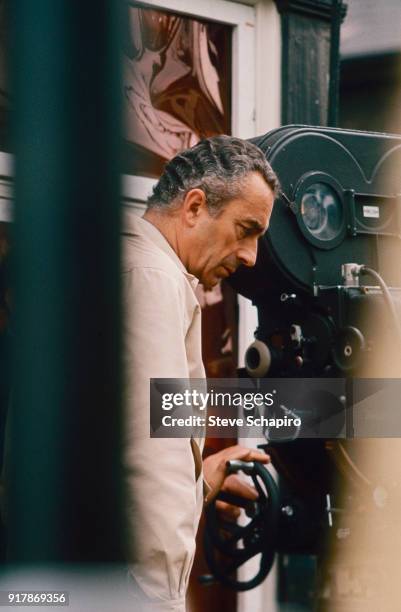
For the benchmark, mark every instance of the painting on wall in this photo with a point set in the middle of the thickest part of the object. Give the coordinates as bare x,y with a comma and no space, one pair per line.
176,85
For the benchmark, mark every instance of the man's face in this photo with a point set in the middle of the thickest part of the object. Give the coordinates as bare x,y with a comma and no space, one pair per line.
224,242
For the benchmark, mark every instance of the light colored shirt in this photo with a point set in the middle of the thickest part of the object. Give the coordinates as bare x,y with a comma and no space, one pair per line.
163,477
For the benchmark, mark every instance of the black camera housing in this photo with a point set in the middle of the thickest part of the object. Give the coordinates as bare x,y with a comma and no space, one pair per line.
327,286
339,203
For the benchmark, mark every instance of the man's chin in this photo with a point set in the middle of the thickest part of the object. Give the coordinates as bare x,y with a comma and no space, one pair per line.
210,283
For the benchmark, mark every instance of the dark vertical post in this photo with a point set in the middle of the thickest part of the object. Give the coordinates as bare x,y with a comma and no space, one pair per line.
64,469
310,60
338,14
309,92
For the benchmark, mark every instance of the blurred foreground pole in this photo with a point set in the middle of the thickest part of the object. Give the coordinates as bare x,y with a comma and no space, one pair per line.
65,489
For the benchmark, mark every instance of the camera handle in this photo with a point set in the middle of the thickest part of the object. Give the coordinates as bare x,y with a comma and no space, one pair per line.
222,538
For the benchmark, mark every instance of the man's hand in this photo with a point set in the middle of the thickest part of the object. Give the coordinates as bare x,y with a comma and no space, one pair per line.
215,474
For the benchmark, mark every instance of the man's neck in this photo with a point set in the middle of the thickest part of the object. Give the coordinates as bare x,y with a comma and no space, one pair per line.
167,226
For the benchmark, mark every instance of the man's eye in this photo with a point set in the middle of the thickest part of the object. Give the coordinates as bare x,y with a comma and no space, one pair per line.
242,231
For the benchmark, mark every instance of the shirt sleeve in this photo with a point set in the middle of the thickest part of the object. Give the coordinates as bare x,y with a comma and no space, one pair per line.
161,491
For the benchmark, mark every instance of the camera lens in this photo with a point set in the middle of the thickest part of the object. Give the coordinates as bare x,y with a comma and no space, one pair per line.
322,211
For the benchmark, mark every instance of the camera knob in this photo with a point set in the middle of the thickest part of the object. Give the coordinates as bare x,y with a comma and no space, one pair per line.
258,359
349,346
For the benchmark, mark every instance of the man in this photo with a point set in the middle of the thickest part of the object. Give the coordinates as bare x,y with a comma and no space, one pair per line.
205,216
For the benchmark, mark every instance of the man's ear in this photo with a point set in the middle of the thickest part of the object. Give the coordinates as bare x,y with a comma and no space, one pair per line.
194,205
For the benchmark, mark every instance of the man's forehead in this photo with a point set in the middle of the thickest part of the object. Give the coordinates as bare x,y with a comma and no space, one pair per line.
255,213
253,205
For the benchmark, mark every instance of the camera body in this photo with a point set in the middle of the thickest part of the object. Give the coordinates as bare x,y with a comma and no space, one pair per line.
338,215
327,287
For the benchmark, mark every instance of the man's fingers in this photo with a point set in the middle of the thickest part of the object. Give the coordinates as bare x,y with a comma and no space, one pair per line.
234,484
227,512
246,454
215,466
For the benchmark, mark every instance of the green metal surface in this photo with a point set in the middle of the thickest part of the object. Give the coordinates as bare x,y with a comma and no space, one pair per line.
65,494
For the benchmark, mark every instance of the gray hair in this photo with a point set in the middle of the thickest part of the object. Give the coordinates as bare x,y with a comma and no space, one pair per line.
217,165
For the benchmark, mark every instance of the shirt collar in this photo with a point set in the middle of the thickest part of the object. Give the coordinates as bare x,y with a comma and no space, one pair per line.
134,224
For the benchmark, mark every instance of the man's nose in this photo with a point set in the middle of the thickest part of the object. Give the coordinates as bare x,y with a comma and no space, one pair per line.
247,254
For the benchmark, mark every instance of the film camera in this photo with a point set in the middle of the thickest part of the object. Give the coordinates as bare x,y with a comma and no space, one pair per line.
327,287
